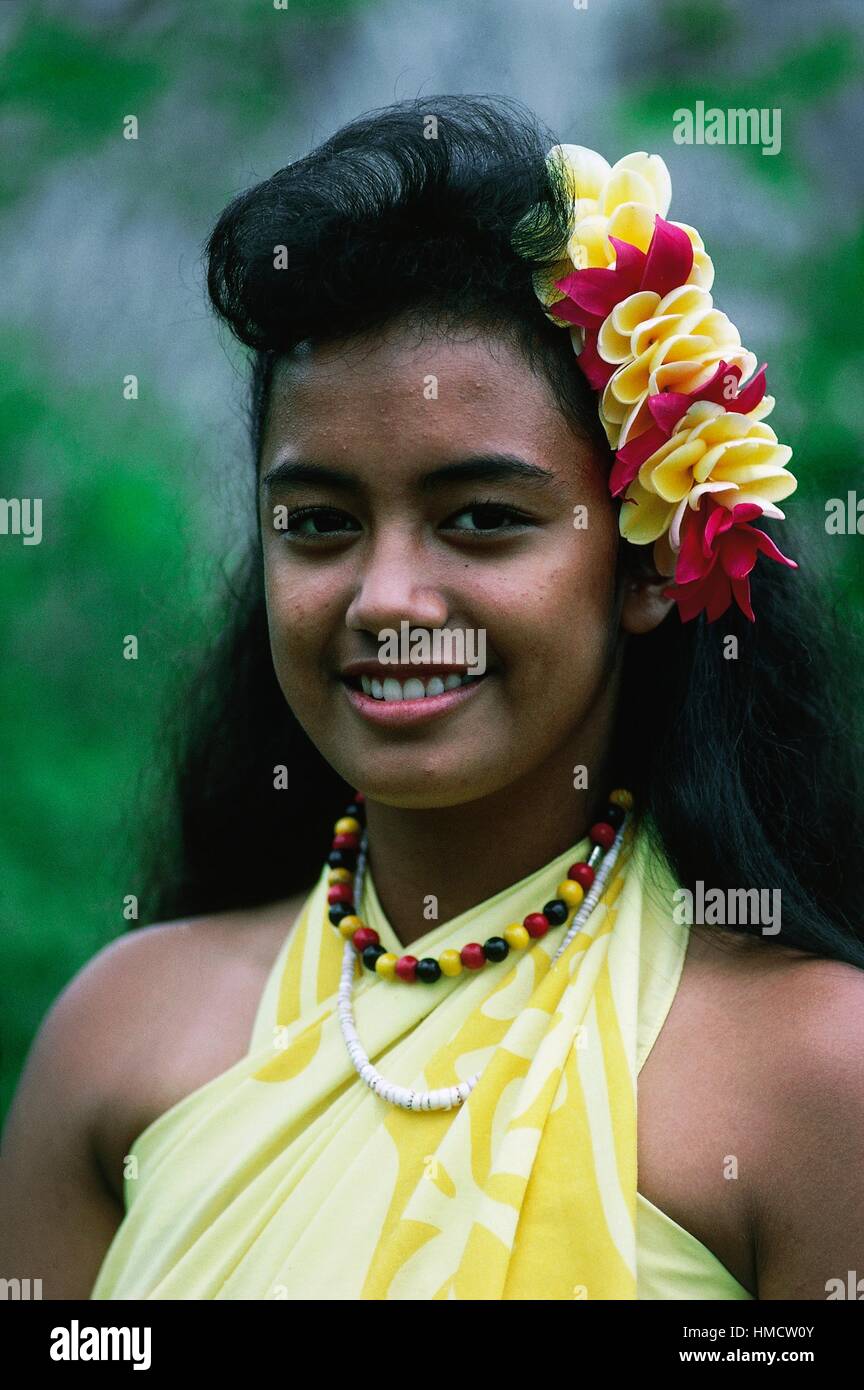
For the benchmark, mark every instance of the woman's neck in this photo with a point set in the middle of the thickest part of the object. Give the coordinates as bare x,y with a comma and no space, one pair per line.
461,855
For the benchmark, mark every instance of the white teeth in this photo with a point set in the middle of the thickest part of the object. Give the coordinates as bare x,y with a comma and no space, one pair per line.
413,688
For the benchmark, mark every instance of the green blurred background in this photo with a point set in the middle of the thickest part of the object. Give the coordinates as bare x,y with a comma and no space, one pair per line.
147,502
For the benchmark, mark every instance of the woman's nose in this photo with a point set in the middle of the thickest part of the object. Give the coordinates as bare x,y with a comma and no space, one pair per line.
393,588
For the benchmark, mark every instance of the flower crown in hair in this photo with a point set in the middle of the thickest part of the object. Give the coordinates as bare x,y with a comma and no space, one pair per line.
681,400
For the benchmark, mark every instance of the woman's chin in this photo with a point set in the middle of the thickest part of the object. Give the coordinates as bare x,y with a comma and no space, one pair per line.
423,788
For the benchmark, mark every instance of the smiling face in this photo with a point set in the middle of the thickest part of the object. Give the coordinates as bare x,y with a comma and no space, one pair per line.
432,481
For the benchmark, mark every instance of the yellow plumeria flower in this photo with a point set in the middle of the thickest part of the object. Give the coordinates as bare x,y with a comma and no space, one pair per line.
644,334
619,200
736,457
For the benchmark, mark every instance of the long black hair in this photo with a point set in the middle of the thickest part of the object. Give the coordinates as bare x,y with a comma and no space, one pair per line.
746,772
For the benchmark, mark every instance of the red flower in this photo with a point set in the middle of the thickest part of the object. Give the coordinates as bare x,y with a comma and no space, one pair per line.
592,294
718,550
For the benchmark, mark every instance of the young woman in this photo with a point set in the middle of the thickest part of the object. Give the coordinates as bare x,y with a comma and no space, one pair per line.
422,960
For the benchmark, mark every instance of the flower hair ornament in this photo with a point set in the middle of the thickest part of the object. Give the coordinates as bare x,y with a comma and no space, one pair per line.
680,399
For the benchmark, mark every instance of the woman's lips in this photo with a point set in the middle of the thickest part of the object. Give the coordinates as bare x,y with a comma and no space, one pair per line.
396,712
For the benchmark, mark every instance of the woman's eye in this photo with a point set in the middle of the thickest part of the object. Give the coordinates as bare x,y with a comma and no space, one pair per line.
327,523
489,517
322,522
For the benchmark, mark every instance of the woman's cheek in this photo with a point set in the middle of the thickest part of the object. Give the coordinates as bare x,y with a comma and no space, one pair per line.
297,610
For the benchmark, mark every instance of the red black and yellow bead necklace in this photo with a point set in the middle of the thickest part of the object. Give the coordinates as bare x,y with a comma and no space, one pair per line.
578,893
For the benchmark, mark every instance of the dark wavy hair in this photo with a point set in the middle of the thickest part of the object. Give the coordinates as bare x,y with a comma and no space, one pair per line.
746,772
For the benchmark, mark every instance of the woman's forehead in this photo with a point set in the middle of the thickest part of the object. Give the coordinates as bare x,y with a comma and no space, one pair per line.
435,385
400,347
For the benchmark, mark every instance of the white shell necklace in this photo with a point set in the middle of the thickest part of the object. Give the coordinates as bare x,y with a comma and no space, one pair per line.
607,845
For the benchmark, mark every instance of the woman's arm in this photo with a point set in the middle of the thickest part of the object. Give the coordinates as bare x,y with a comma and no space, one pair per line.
57,1214
130,1035
809,1183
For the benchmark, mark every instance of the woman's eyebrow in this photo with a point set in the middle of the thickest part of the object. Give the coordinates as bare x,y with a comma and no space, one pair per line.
498,468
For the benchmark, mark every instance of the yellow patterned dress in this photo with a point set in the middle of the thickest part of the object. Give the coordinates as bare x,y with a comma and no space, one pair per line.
287,1178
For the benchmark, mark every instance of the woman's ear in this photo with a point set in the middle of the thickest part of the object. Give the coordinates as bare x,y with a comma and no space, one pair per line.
643,606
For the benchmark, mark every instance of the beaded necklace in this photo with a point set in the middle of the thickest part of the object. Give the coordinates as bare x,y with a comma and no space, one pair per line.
578,893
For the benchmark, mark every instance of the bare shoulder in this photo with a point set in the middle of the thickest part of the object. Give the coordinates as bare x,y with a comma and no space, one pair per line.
150,983
173,975
827,1006
152,1015
799,1018
817,1036
760,1062
805,1183
167,1008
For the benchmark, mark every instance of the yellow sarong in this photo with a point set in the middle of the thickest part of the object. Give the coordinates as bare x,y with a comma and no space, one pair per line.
286,1177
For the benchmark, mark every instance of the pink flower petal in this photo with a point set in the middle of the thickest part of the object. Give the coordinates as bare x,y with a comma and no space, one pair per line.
596,291
629,262
591,363
712,593
682,594
767,547
669,260
667,407
694,561
738,552
749,398
741,593
714,389
630,459
719,520
720,595
568,309
744,511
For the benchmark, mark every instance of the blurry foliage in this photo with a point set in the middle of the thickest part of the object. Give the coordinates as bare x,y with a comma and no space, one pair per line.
795,83
120,552
66,85
76,718
66,90
702,26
